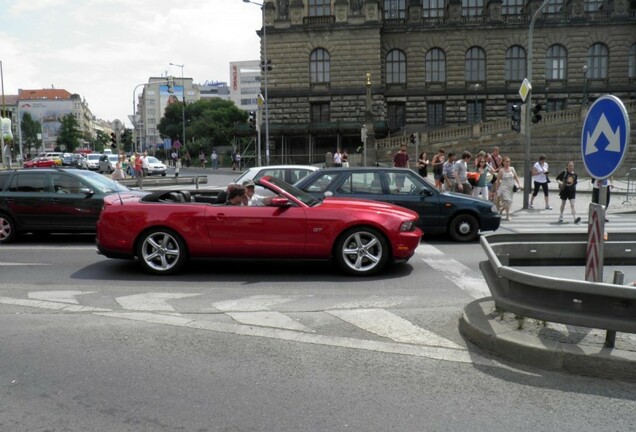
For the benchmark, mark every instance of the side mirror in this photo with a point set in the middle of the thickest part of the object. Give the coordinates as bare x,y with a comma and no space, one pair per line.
426,192
280,202
88,192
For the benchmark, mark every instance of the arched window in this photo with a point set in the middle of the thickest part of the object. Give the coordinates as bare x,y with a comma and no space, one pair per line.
556,59
515,69
395,67
597,61
632,62
475,65
319,67
435,65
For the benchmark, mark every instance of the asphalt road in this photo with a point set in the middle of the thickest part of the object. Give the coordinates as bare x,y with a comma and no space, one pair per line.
94,344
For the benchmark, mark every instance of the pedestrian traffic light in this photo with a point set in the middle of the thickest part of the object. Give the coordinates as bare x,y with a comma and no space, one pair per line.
252,120
536,113
113,140
516,118
266,65
412,138
124,136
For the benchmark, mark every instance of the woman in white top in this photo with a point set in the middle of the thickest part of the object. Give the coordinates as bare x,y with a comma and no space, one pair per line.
540,178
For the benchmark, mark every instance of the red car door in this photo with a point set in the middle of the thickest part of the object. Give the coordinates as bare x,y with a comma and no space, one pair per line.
244,231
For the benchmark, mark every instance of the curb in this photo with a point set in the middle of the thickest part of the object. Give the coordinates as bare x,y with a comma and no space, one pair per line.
479,327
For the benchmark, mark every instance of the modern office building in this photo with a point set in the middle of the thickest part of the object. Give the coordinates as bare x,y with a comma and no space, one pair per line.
245,84
431,64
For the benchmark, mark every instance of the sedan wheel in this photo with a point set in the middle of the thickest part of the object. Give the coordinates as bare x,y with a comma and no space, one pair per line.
7,229
162,252
362,251
464,228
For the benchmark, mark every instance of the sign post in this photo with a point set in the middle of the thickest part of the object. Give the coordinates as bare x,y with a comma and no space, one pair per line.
604,143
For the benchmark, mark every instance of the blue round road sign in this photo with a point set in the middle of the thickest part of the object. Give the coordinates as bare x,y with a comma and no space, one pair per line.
605,137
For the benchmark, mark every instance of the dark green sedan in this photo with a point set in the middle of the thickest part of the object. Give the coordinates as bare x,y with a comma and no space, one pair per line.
460,216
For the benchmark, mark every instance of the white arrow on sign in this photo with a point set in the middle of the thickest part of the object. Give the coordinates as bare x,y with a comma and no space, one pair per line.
603,128
59,296
151,301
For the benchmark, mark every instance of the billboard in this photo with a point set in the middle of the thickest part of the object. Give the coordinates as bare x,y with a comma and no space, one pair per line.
166,98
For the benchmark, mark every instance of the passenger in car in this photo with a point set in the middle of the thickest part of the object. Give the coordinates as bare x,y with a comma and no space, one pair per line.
253,199
236,195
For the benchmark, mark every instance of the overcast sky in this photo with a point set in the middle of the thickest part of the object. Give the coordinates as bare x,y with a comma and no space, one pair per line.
101,49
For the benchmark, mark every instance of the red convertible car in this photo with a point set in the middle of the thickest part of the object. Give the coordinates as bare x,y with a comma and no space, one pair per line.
40,162
165,229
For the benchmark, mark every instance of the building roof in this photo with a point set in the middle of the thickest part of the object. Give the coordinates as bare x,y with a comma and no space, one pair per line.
43,94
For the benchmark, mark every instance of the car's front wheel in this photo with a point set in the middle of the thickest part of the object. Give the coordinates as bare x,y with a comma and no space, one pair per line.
162,251
7,229
361,251
464,228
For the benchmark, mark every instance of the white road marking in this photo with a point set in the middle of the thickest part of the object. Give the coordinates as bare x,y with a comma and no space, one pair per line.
386,324
41,304
269,319
151,301
462,276
58,296
10,264
253,303
437,353
373,302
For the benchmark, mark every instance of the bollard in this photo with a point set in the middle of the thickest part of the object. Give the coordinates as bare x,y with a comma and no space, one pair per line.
610,336
177,165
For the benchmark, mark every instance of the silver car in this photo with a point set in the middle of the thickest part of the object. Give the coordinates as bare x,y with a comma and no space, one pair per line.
107,163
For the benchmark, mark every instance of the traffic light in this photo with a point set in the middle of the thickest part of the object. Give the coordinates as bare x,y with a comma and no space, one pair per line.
412,138
113,140
124,136
536,116
252,120
170,84
266,65
516,118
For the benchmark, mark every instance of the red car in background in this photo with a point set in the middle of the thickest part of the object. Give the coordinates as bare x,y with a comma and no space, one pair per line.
164,229
40,162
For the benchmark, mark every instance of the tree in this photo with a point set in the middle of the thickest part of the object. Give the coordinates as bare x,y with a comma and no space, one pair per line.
69,134
208,122
101,141
30,130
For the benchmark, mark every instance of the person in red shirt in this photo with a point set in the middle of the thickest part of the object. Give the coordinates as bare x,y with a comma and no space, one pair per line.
139,169
401,158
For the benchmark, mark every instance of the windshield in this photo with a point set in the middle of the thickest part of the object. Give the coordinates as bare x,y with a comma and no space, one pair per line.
100,182
304,197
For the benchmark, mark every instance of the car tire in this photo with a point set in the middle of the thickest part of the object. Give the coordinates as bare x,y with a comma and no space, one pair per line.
464,228
361,251
163,174
161,251
8,230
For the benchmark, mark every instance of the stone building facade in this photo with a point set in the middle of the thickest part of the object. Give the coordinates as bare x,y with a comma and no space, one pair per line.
432,64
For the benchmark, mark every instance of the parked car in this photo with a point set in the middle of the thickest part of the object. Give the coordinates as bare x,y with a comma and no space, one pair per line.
164,229
55,156
156,167
107,163
40,162
460,216
91,161
288,173
52,200
73,160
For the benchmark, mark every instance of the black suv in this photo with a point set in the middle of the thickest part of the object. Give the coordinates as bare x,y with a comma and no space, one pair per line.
52,200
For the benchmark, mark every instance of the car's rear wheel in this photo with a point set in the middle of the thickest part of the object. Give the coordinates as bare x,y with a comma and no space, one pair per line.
464,228
7,229
361,251
162,251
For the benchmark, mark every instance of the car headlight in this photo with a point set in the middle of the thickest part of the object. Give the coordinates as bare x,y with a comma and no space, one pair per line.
407,226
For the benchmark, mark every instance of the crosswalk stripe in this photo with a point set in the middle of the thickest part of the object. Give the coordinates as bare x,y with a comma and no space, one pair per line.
269,319
386,324
462,276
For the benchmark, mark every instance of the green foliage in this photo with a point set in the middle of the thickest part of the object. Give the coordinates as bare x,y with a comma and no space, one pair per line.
30,130
209,123
101,141
69,133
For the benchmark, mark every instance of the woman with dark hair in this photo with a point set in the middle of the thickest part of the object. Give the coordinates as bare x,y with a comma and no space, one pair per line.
422,163
567,190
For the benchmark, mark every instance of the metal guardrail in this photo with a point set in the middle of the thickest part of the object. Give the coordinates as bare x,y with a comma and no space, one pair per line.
166,181
566,301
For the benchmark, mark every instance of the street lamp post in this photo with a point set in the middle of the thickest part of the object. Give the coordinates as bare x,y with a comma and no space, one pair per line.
183,137
264,70
584,69
527,163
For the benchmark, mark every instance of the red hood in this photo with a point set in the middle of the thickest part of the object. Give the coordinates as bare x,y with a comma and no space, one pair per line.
362,204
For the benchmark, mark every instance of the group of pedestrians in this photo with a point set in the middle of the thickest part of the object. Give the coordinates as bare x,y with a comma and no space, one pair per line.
136,165
341,159
492,177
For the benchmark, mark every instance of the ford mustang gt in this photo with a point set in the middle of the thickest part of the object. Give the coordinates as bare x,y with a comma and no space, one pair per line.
163,230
